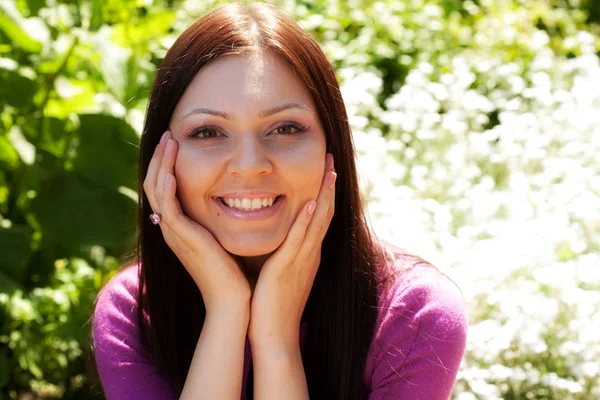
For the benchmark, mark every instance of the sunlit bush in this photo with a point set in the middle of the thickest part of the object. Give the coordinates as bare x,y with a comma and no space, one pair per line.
492,171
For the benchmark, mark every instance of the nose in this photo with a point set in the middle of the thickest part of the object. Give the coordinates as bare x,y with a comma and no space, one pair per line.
249,158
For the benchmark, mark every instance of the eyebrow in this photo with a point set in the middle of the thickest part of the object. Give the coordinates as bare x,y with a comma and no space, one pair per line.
263,114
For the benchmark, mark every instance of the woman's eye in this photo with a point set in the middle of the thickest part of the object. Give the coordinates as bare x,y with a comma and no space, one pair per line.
204,133
207,134
212,133
288,130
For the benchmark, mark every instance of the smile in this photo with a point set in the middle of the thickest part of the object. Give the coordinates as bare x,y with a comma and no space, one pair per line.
249,213
247,204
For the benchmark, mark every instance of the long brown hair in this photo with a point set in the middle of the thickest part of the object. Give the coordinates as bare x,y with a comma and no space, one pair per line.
342,308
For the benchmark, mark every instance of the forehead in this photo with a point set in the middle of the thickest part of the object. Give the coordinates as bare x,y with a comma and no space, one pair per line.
244,84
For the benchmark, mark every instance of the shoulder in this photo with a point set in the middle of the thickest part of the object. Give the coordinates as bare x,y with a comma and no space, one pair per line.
119,295
115,313
420,333
123,283
421,296
125,369
420,290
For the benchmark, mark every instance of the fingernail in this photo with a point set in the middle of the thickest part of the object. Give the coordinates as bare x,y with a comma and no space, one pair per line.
311,207
168,180
169,144
164,137
331,179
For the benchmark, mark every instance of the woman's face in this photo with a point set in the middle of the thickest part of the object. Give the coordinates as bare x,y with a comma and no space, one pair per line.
248,132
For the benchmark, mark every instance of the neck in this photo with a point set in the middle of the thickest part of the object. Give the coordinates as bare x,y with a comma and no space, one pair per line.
251,265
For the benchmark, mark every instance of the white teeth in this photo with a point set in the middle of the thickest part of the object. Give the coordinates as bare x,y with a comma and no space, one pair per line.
250,204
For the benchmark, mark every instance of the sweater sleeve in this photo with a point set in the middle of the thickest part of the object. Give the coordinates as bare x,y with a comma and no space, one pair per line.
125,373
420,340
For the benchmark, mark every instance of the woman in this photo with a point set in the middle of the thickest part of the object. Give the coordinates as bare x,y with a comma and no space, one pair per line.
258,276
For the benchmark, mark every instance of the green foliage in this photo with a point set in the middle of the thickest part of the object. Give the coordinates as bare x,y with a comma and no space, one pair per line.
45,331
68,160
74,81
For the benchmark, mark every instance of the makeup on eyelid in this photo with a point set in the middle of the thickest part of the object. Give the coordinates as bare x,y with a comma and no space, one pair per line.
195,132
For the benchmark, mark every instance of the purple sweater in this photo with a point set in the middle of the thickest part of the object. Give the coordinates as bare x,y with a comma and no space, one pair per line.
418,345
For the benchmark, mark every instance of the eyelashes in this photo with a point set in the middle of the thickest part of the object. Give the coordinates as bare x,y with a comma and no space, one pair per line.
199,133
207,132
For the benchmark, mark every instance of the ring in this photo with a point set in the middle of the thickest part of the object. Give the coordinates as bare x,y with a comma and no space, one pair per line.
155,218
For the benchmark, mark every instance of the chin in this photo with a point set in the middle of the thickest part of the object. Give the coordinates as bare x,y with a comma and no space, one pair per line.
251,248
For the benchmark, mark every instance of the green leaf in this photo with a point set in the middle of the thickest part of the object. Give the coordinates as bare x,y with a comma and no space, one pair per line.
4,367
22,146
62,360
35,6
55,136
96,19
107,152
74,211
83,100
131,83
16,89
114,68
57,61
152,26
4,193
15,247
9,158
33,366
7,284
17,35
33,176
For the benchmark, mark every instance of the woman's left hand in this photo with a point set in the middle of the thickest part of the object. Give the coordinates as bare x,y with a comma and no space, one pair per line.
286,278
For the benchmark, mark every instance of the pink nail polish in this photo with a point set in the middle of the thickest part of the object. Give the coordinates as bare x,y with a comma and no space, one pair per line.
164,137
331,179
311,207
169,144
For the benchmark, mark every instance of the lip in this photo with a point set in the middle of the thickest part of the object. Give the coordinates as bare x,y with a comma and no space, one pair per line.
248,195
253,215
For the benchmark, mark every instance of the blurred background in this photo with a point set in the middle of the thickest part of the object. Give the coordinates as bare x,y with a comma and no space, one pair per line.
477,125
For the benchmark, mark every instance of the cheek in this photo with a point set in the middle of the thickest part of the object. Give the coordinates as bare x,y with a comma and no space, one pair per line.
194,175
304,171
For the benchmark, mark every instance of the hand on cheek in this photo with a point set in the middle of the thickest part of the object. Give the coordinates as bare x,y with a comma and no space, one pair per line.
286,278
223,285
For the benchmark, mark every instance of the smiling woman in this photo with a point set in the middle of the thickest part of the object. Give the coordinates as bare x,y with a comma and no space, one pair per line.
257,275
247,132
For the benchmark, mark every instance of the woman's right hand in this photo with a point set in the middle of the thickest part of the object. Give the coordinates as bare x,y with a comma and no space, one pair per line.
218,276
